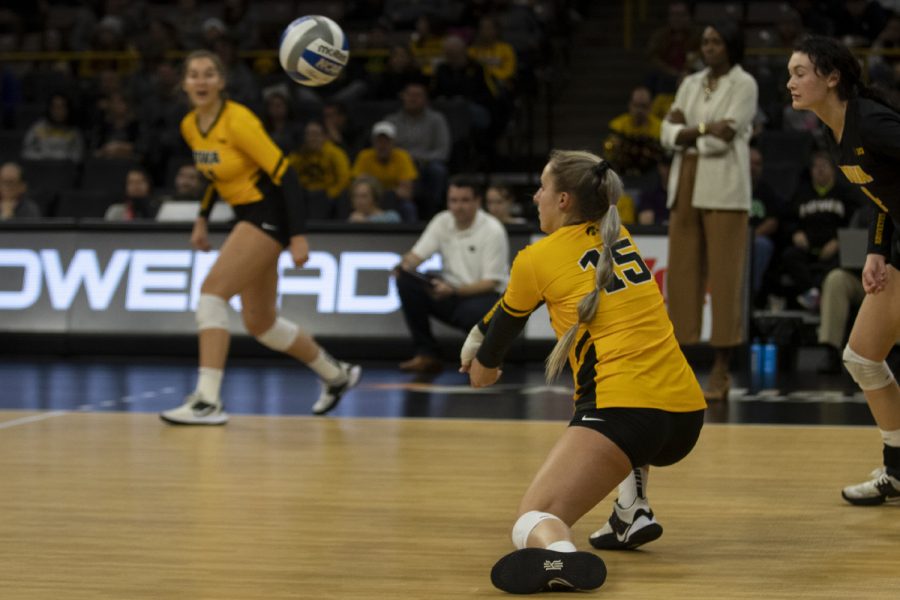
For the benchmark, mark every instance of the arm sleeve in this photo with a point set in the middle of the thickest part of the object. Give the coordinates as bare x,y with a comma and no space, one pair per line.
881,229
296,205
506,320
741,109
207,202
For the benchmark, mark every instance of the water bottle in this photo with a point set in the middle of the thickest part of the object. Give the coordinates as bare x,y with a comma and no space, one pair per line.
756,357
769,363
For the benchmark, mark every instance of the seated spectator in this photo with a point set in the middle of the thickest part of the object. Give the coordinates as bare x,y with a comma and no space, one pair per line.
138,203
369,60
365,198
502,204
14,202
321,165
118,134
189,185
821,206
632,145
458,76
474,248
393,167
340,129
241,83
426,42
765,210
54,137
842,293
424,133
651,205
401,69
279,120
497,58
672,48
241,23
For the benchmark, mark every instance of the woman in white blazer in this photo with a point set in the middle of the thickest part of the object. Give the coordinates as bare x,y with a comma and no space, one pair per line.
709,128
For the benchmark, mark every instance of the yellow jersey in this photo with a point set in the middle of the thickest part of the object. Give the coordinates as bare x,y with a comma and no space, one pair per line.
327,169
627,355
399,167
232,153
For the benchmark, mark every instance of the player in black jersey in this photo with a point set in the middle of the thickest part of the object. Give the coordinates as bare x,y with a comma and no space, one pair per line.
862,131
246,169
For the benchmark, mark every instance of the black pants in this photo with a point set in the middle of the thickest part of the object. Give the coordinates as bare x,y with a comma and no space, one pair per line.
805,269
457,311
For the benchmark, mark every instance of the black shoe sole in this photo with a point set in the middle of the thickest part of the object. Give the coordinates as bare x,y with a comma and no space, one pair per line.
644,536
199,424
877,500
535,570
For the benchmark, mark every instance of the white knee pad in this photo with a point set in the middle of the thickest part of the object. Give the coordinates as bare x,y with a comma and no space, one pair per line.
868,374
526,523
212,312
280,335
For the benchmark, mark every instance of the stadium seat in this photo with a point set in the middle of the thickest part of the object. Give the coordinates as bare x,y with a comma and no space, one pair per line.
84,204
51,175
106,174
11,146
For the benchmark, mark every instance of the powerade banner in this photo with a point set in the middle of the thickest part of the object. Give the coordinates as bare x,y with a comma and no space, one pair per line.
148,282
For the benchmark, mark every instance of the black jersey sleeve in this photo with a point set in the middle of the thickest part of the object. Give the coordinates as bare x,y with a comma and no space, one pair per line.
502,330
880,132
208,201
881,230
296,205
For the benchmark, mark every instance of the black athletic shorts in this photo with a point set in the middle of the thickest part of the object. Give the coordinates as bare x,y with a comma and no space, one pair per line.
648,436
267,214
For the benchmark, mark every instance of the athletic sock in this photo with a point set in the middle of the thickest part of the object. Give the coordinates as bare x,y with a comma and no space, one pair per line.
209,382
633,487
326,367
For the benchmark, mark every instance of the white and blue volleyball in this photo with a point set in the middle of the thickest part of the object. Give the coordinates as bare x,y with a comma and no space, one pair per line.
313,50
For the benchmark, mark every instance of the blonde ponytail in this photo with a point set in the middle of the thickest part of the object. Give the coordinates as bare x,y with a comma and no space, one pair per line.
609,228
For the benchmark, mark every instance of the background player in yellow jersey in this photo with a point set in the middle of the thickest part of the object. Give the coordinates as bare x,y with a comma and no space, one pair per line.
637,401
246,169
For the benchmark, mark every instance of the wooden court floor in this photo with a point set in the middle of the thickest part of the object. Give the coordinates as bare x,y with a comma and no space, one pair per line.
118,506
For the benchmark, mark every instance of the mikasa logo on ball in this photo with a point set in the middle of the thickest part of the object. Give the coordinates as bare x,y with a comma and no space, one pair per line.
332,52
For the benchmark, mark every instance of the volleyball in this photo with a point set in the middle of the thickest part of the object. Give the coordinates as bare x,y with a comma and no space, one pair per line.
313,50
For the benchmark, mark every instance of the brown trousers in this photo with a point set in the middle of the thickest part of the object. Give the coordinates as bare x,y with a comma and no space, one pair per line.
707,250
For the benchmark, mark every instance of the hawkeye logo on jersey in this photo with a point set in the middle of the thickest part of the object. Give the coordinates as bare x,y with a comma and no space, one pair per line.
860,151
206,157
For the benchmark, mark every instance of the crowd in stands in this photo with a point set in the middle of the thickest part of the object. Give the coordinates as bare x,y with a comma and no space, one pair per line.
448,76
799,201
